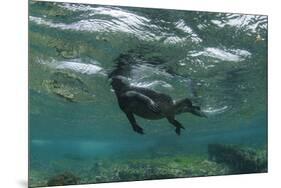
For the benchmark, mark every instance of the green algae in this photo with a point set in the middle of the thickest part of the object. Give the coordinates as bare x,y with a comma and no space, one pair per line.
107,170
222,160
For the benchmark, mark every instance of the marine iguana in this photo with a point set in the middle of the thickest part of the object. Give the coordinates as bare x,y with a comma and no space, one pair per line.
150,104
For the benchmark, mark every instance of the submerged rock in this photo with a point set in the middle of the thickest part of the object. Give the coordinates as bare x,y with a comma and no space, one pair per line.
239,159
67,86
67,52
66,178
60,90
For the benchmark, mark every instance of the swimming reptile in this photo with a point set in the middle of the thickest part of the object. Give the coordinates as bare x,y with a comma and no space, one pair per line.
150,104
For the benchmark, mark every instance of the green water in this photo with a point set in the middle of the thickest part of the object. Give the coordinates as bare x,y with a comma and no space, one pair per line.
219,60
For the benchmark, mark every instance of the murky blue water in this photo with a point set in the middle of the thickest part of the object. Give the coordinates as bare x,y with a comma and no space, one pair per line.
219,60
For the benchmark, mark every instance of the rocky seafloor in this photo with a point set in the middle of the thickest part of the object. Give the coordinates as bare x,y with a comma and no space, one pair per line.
221,160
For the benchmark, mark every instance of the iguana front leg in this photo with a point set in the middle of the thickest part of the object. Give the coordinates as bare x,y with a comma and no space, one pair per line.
134,124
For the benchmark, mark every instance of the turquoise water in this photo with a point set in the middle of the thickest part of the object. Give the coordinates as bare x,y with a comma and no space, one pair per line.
218,60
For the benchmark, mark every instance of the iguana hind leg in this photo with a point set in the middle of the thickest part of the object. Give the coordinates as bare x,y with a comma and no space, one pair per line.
177,124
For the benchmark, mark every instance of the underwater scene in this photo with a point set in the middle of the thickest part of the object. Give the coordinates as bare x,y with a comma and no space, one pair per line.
125,94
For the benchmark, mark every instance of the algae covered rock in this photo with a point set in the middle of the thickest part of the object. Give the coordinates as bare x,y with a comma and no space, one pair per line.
65,178
66,50
67,86
239,159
